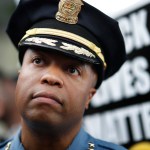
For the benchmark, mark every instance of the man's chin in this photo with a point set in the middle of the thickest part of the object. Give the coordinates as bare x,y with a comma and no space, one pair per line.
41,123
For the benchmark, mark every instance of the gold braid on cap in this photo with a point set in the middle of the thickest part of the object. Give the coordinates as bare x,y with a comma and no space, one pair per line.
69,35
68,11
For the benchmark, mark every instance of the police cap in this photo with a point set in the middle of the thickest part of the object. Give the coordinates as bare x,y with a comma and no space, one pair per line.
71,27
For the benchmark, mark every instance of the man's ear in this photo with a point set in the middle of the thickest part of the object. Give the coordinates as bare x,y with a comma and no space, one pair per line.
90,96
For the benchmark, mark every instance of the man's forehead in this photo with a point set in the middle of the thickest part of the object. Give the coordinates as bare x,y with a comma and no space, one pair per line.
55,54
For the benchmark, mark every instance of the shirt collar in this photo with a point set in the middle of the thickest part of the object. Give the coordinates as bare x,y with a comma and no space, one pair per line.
80,141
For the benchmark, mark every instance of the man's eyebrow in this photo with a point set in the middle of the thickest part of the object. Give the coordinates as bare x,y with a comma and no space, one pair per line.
38,52
76,62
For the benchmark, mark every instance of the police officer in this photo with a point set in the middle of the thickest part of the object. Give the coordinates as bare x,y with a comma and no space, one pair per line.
66,48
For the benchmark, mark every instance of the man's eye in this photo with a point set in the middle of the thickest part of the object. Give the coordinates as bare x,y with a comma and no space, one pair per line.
73,71
37,61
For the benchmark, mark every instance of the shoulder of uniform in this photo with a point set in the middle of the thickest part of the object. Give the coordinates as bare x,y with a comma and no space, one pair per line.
100,144
4,143
108,145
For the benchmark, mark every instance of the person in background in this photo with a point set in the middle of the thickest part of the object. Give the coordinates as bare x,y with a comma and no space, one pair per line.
9,117
66,49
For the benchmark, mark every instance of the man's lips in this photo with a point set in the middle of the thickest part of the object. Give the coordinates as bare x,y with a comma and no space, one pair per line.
46,96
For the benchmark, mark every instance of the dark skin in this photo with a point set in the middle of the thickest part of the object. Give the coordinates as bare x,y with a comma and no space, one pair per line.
52,94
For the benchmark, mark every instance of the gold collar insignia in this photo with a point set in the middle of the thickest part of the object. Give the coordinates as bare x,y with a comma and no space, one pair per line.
91,146
68,11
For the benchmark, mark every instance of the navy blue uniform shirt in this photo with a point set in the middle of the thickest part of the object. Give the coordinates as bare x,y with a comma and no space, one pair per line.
83,141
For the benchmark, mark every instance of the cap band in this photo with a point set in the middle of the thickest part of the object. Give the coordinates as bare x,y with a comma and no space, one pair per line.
71,36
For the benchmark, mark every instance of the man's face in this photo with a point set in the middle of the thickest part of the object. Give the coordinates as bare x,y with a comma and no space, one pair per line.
54,89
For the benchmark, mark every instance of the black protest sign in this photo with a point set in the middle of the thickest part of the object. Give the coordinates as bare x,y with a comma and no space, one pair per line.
120,111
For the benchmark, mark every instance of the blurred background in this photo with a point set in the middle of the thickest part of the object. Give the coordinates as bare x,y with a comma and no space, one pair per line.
120,111
9,119
8,54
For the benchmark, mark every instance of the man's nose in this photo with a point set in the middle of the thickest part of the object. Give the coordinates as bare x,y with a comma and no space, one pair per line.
52,76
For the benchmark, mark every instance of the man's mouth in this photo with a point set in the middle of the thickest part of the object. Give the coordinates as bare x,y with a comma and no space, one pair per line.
47,97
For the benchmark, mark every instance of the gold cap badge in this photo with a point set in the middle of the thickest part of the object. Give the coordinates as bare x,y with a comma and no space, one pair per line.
68,11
